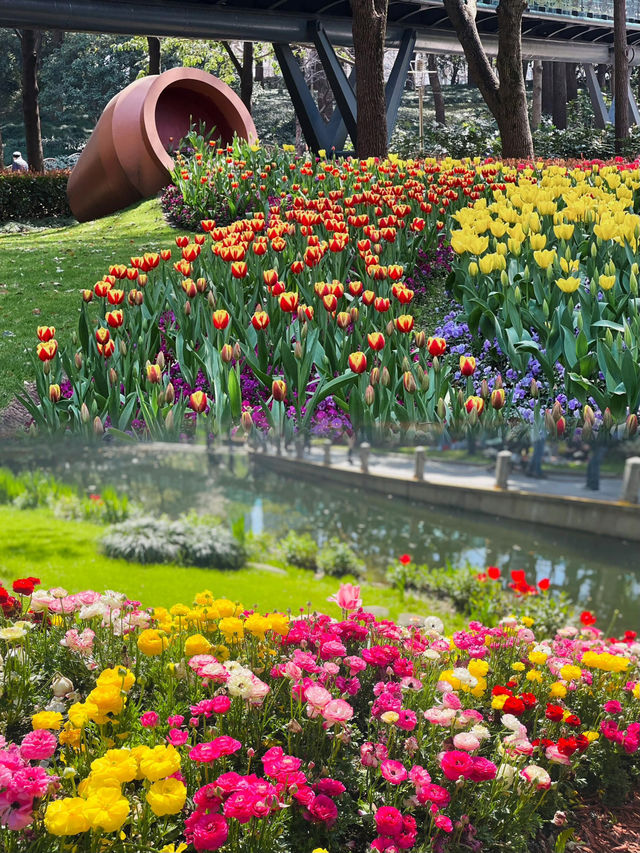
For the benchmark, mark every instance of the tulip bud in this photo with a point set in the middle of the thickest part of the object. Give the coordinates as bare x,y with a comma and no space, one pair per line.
369,395
545,309
498,382
633,284
436,364
113,376
549,422
587,431
247,421
304,331
98,427
421,339
419,373
46,368
297,350
594,250
409,382
237,350
441,409
588,415
498,398
85,414
608,337
354,314
390,328
160,360
504,278
226,353
54,393
460,398
533,390
406,364
201,285
78,360
87,295
169,393
168,421
211,300
484,389
473,417
561,425
187,308
279,390
607,418
556,411
473,269
385,378
154,373
580,321
425,382
631,426
374,376
123,348
517,295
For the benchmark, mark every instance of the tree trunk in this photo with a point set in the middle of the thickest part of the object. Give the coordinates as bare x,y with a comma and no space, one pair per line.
153,45
621,73
259,75
559,95
536,104
369,26
31,42
436,88
571,72
246,76
601,74
1,151
505,94
455,69
547,88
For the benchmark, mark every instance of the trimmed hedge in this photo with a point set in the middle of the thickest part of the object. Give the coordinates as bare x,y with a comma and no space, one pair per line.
32,195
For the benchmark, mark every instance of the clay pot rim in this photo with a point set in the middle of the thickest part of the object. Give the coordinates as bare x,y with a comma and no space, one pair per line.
176,76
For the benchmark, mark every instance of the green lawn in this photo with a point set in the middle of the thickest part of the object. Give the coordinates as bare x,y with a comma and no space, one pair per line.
42,272
64,553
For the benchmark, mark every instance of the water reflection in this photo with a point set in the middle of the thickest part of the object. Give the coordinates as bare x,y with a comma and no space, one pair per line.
598,573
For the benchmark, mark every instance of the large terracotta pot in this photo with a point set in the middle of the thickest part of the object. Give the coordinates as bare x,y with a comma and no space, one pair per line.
126,159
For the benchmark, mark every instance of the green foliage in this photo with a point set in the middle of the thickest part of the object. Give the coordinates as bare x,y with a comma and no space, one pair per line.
337,558
299,549
24,195
185,542
477,137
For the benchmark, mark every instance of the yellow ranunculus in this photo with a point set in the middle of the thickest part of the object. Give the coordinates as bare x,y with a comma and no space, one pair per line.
225,607
478,667
160,762
534,675
231,628
95,783
497,702
538,658
80,713
605,661
116,764
66,817
570,672
257,625
591,736
196,644
119,676
279,623
47,720
108,700
518,666
152,642
167,797
558,690
107,809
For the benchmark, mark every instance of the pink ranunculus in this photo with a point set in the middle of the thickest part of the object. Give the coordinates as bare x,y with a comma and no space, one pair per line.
466,742
455,764
431,793
612,706
384,843
330,787
419,775
388,821
214,749
38,745
537,776
177,737
322,809
337,711
356,664
482,769
367,755
443,822
393,771
317,697
440,716
332,649
554,755
452,700
407,720
206,831
239,805
149,720
175,720
347,597
31,782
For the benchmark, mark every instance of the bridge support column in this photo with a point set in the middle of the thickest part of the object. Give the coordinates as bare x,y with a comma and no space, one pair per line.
547,88
597,99
332,135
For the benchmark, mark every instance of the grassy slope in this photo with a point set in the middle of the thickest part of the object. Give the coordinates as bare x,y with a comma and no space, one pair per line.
43,271
64,553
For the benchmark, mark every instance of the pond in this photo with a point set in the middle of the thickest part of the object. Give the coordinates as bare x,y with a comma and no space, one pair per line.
600,574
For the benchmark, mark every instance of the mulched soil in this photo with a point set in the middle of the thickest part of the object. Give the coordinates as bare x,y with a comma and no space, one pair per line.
603,830
14,418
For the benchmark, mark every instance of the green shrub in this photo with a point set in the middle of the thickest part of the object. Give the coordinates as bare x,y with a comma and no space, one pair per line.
299,549
337,558
26,195
185,542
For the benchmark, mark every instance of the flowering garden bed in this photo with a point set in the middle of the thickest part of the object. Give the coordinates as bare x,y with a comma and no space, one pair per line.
207,726
297,318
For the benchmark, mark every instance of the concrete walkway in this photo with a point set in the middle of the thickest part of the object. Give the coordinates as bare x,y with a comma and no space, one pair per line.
402,465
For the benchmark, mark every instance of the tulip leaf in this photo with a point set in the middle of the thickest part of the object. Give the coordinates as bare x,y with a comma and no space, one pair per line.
608,324
235,394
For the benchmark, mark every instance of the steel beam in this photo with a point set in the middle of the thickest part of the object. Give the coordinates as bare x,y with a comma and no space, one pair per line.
397,79
313,125
597,100
340,86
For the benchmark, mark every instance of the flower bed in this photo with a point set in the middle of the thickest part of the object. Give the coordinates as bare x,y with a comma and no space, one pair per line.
209,727
297,317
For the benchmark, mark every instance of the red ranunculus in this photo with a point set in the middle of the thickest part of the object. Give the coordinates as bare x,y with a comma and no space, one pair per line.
587,617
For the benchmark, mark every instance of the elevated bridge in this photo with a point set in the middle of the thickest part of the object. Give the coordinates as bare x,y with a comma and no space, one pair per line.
572,31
